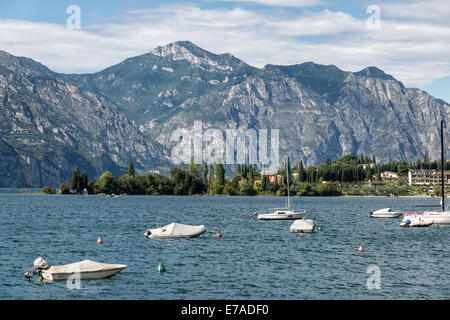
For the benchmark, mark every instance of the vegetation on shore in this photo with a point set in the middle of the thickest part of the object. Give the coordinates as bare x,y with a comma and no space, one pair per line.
348,175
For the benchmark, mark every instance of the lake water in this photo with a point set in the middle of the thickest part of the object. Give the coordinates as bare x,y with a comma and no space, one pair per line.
253,260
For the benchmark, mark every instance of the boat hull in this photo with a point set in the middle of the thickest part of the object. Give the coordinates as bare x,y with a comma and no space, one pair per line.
157,236
385,215
277,216
83,275
418,224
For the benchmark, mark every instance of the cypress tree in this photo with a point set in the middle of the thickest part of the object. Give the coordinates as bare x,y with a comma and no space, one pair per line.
75,182
84,180
130,171
264,183
205,175
220,174
211,179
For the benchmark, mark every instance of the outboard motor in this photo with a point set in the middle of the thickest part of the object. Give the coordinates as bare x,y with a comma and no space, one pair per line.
38,265
148,233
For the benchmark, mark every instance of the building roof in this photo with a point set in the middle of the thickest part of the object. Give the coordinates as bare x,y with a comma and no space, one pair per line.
268,173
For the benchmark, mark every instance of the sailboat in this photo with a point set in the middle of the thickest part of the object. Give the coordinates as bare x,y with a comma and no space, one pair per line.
431,217
284,213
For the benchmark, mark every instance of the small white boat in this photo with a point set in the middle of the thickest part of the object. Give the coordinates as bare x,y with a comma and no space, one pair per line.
303,226
415,221
87,269
176,230
385,213
282,214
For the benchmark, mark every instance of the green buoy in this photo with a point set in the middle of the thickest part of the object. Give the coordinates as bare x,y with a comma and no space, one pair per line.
320,228
161,268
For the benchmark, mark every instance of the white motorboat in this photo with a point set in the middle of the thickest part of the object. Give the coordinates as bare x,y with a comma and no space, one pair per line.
385,213
285,213
176,230
302,226
86,269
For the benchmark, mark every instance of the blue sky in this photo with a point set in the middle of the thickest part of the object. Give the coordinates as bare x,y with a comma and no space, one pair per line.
411,43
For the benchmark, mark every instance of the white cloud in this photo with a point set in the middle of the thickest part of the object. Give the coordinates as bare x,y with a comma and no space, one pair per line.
281,3
436,10
413,51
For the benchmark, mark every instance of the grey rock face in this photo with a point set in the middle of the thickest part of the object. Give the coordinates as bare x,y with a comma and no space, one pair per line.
54,125
52,122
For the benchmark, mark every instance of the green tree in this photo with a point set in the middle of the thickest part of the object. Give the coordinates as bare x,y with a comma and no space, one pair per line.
48,190
229,190
130,170
220,174
264,183
205,177
64,189
90,187
437,190
402,169
75,182
84,180
107,183
211,180
246,188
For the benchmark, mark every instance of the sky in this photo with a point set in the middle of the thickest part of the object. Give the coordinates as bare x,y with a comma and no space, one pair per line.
408,39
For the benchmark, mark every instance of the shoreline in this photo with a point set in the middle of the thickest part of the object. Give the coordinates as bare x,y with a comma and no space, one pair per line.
223,195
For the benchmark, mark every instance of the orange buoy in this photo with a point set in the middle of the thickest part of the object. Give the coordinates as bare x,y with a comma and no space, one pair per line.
361,249
99,240
218,234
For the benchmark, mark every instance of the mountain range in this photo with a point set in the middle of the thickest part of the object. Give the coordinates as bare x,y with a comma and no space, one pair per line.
52,122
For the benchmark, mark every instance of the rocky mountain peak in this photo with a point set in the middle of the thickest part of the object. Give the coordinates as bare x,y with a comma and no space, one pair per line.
374,72
187,51
22,64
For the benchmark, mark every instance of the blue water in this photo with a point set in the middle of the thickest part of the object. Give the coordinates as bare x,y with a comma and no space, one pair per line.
253,260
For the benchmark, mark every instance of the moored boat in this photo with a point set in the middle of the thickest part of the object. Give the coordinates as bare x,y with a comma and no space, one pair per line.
303,226
416,221
284,213
86,269
176,230
385,213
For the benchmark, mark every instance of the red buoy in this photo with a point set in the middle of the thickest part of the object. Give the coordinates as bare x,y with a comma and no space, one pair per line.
361,249
99,240
218,234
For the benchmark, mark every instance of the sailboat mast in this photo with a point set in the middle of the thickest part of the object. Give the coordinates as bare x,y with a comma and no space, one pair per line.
442,165
287,175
